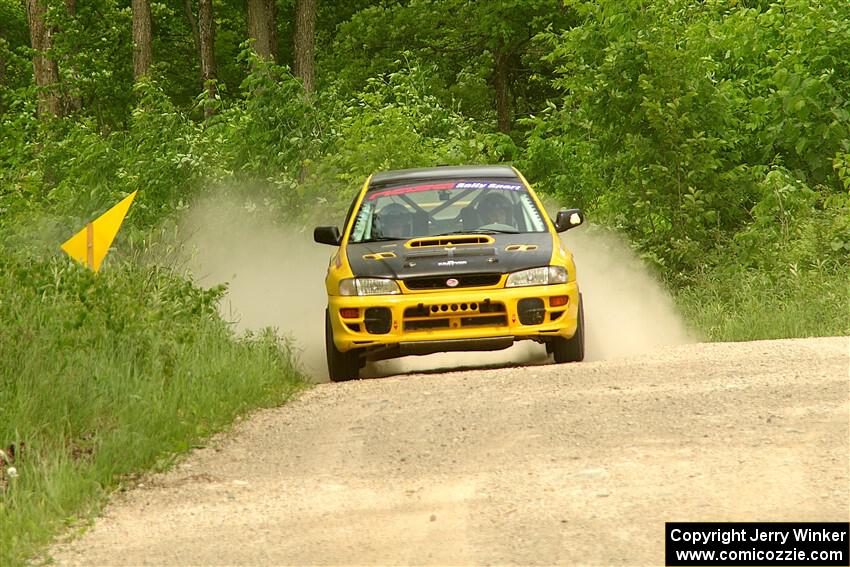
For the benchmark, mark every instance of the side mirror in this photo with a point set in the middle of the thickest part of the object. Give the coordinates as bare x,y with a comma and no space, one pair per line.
568,218
326,235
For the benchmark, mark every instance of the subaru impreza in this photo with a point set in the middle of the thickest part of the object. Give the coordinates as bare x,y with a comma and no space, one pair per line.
449,259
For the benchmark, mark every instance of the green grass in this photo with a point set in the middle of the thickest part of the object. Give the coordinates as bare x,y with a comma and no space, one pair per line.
105,376
742,305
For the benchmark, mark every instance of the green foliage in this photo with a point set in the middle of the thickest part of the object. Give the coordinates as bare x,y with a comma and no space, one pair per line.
179,73
460,38
94,55
14,40
274,128
795,226
20,184
138,367
162,154
737,304
397,122
841,164
273,146
673,113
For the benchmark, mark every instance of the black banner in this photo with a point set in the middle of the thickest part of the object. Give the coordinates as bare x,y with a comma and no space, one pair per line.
757,543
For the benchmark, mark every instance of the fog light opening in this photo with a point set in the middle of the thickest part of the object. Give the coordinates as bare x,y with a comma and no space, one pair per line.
378,320
531,311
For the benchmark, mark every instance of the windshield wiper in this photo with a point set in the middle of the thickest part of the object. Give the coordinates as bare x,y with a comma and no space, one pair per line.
480,231
379,239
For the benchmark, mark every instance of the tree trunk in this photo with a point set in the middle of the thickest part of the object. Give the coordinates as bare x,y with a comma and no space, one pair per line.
207,42
2,61
142,50
72,102
271,24
193,25
3,44
262,27
45,69
305,25
500,83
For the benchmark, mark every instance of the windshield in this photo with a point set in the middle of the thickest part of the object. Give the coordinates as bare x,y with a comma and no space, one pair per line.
433,208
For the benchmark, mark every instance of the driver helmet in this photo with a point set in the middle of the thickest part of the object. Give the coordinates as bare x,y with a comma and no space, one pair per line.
393,221
495,208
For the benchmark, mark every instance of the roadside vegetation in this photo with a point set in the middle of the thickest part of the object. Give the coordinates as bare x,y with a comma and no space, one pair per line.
106,375
714,135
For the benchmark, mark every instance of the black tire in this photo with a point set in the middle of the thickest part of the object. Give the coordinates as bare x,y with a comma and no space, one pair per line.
572,349
342,366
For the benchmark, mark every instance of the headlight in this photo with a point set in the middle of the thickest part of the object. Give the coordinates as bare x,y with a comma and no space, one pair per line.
368,286
538,276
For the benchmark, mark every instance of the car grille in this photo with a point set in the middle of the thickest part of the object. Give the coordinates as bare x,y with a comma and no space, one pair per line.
455,315
439,282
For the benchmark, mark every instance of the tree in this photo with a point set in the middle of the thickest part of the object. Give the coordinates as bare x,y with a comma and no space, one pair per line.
262,27
2,59
3,48
271,24
193,24
501,83
71,99
207,42
305,26
46,70
142,43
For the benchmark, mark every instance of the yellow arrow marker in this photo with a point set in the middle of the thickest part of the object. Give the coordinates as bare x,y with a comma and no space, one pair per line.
90,245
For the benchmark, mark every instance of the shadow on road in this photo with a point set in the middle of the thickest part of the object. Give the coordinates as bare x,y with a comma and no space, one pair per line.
521,354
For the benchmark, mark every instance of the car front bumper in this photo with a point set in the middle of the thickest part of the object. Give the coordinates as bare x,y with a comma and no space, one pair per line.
461,319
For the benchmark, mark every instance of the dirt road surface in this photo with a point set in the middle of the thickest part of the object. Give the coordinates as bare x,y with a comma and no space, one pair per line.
555,464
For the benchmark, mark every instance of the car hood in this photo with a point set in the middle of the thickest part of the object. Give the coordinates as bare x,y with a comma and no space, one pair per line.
455,255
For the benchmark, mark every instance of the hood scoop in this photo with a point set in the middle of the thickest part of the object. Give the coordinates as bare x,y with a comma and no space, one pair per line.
449,240
450,252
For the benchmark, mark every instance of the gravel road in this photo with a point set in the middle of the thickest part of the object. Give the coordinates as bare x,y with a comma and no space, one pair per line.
553,464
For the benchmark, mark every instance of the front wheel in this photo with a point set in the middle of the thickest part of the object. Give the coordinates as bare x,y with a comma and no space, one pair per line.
572,349
342,366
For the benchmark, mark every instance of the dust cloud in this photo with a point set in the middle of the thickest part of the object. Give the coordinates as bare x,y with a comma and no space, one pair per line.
626,310
275,277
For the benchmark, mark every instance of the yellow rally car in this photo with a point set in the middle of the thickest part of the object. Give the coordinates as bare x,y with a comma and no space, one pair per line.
447,259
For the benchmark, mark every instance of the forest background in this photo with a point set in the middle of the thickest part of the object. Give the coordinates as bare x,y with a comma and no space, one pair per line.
714,135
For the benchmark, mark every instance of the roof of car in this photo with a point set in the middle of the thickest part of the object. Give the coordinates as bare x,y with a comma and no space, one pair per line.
443,172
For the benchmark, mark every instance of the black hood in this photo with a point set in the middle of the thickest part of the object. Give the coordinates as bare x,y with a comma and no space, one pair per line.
508,253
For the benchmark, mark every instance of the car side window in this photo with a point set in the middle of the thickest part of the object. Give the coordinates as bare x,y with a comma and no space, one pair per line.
531,215
363,222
